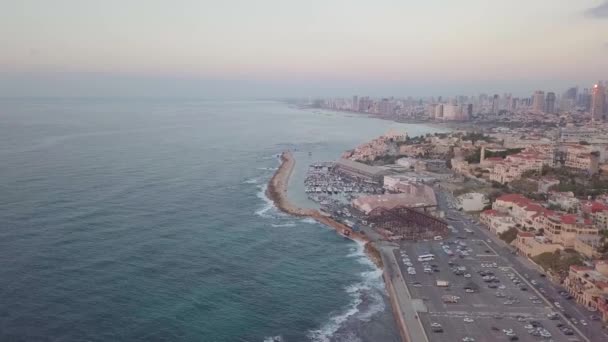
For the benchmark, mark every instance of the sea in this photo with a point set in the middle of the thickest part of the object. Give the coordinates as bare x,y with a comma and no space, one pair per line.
146,220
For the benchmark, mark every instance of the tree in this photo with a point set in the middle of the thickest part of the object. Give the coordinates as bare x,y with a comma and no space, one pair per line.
509,235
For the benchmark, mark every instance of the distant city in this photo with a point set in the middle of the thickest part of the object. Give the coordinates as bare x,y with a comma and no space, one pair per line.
573,105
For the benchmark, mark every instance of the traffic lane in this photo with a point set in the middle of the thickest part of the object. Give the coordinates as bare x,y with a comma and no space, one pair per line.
591,330
482,305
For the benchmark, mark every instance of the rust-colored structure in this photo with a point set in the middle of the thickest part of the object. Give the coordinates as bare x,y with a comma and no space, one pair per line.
408,223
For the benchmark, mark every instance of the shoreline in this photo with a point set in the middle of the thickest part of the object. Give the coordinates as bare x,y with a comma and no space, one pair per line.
276,191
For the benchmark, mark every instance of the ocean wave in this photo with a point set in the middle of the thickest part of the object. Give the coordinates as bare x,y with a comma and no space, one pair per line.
308,220
268,204
267,168
366,298
288,224
251,181
277,338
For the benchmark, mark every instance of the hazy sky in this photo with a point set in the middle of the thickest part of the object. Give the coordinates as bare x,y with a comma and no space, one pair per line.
303,47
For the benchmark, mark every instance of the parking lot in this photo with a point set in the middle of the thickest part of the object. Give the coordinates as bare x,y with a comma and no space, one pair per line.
491,301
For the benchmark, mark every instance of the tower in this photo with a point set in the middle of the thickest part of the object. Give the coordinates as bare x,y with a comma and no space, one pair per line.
550,103
598,102
538,101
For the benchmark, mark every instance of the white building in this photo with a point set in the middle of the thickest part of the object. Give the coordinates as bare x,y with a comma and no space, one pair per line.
472,201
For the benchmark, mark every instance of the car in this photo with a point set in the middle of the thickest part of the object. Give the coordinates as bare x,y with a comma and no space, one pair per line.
513,338
417,285
560,324
469,290
467,275
507,331
468,320
583,322
534,282
568,332
594,318
468,339
495,329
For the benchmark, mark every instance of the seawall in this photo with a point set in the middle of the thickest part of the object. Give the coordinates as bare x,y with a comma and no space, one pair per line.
277,193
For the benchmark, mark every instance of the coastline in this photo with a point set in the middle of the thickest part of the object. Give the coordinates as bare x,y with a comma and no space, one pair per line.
276,191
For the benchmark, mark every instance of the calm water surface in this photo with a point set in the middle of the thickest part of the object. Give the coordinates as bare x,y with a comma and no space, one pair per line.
145,220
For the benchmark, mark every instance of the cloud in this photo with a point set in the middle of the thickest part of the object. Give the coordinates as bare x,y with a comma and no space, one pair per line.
600,11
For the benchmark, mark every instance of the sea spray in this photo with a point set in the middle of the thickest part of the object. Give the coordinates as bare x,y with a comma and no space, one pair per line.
369,290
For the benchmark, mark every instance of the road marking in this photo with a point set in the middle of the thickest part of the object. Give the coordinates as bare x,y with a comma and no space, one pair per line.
551,305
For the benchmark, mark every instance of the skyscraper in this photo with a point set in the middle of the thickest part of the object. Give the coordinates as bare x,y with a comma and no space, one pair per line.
538,101
355,104
550,103
495,101
598,102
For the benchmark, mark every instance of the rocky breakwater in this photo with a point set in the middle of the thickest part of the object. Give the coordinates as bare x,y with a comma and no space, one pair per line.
277,192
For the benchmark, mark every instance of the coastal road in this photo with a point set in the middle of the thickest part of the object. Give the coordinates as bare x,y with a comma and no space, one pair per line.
550,292
413,326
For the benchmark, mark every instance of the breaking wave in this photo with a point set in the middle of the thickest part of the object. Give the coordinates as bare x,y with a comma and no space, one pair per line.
366,299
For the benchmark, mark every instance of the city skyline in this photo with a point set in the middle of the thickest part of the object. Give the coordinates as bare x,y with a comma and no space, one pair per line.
279,48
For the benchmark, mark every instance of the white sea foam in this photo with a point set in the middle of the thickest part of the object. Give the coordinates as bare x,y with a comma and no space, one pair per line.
308,220
277,338
371,287
288,224
251,181
267,168
268,204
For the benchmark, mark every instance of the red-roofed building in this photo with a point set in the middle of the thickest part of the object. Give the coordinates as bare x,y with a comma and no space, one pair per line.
582,158
522,209
515,165
496,221
591,207
530,245
589,286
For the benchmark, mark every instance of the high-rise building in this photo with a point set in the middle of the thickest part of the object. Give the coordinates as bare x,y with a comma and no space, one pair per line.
584,99
550,103
538,101
355,104
495,103
598,102
568,99
571,93
439,111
